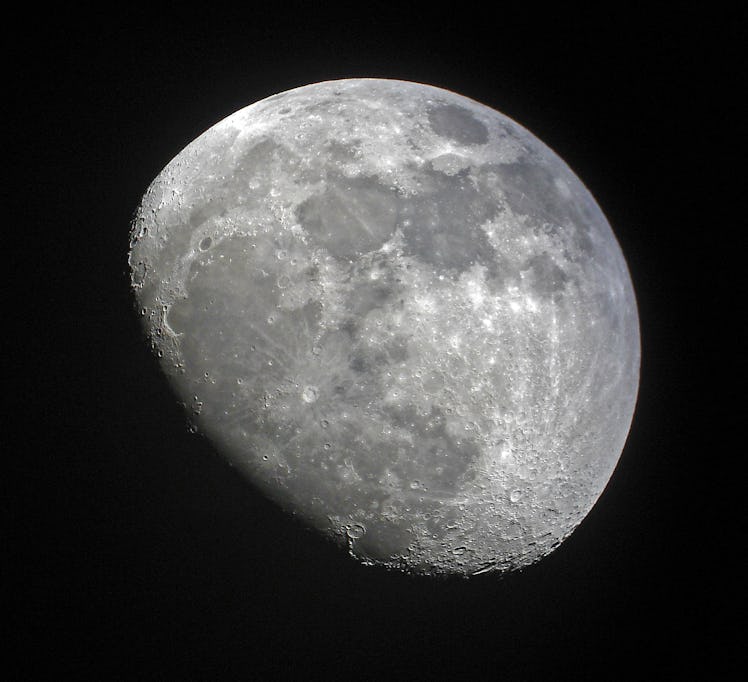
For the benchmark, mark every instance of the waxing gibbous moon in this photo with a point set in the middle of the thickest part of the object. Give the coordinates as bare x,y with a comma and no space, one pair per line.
400,314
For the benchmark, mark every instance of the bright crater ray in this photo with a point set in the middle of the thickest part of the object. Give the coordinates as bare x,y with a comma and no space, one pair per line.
400,314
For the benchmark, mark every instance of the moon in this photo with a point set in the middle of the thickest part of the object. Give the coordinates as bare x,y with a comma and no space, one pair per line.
400,314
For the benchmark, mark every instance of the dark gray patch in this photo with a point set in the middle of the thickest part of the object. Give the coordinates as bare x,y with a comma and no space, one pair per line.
351,217
501,272
384,540
373,361
582,240
397,349
210,209
458,124
369,361
339,152
441,225
227,188
223,326
365,298
370,292
351,326
312,273
327,106
530,189
361,363
547,277
257,159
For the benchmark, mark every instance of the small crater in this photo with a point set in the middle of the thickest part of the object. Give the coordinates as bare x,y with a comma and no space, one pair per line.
309,394
138,273
450,164
205,244
356,531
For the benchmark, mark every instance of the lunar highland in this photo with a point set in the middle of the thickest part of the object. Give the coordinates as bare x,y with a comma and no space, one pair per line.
400,314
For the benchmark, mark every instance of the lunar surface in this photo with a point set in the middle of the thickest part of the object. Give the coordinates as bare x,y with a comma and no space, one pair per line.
400,314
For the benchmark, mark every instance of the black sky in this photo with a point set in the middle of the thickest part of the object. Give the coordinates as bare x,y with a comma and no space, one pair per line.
136,552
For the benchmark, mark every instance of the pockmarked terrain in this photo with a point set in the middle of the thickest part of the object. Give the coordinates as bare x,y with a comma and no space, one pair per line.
400,314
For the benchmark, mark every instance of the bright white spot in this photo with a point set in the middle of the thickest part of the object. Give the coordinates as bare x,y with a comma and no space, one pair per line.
475,294
505,454
423,302
309,394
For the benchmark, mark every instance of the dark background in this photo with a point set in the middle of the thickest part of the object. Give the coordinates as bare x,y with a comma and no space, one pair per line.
136,552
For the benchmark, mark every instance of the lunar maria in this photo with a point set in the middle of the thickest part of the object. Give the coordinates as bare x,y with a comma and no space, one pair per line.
400,314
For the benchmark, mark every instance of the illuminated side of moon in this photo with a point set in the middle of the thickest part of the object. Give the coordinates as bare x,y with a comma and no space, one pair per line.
400,314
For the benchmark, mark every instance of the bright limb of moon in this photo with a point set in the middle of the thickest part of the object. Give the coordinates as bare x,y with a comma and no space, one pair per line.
400,314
